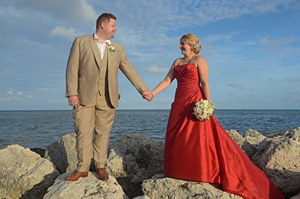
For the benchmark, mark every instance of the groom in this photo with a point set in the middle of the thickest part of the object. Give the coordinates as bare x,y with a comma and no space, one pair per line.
92,89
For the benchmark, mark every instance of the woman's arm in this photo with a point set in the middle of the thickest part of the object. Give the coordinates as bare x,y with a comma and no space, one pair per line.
167,81
203,74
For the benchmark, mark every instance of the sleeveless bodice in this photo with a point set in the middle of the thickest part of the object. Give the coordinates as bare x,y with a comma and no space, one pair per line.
187,82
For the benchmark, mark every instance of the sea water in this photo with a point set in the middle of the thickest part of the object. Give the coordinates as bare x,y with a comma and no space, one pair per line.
38,129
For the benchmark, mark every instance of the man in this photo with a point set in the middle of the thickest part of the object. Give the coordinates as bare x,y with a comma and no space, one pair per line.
92,89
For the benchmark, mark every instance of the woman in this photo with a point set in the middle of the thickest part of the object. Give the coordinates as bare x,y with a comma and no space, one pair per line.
202,150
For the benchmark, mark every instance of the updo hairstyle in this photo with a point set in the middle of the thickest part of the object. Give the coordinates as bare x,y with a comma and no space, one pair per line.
193,41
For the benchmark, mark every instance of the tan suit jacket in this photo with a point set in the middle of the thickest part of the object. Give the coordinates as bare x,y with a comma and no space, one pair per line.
83,68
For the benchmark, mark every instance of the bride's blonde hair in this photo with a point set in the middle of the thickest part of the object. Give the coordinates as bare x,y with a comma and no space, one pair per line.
193,41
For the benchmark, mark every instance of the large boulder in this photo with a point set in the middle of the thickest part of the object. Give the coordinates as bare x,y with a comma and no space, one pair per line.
88,188
142,197
248,148
297,196
254,137
63,153
24,174
134,158
279,157
4,196
164,187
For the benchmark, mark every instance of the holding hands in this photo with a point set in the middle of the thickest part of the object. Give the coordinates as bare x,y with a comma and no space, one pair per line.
148,96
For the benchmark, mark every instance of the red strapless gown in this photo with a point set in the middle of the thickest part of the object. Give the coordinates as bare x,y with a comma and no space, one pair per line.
203,151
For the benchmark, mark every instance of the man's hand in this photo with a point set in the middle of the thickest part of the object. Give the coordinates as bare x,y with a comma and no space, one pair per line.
147,95
74,101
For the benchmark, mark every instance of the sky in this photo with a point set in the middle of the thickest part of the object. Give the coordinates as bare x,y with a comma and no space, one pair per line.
252,48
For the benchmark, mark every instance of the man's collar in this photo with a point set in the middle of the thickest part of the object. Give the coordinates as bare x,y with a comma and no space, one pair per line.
95,38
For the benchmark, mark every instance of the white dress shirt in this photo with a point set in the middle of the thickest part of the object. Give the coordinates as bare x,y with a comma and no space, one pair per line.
101,46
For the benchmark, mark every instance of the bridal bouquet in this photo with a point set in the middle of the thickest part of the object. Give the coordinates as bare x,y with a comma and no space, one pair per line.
204,109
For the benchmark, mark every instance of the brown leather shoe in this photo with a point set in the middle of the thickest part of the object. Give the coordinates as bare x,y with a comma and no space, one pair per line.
102,174
77,174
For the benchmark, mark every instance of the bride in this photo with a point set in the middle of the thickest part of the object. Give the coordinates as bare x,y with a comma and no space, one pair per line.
202,150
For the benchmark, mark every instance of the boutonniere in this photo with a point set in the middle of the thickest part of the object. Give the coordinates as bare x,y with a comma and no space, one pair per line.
111,48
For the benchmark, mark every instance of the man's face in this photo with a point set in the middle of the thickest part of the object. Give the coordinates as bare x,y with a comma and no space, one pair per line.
110,28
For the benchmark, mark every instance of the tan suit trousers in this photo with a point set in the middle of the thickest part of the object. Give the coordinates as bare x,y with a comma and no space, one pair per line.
97,116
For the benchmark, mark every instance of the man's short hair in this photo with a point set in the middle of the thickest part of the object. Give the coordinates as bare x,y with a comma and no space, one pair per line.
105,17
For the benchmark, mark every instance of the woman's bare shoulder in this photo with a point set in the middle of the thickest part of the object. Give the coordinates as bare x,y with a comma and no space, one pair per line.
199,58
177,62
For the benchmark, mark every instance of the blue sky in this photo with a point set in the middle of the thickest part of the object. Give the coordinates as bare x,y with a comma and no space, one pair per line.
252,48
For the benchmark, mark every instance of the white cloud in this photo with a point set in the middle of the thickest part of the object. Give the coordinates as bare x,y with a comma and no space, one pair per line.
76,10
61,31
160,16
236,85
215,38
268,7
20,93
5,99
291,79
155,69
10,92
270,44
290,91
55,101
289,99
43,89
29,96
253,89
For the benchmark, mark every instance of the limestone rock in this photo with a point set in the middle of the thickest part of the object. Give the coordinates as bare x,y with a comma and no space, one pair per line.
279,157
248,148
24,173
90,187
4,196
296,196
164,187
142,197
39,151
254,137
63,154
134,158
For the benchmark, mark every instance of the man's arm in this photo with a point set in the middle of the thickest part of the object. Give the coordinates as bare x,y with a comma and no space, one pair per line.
72,75
131,74
72,70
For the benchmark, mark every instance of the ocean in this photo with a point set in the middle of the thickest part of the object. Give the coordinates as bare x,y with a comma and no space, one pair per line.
38,129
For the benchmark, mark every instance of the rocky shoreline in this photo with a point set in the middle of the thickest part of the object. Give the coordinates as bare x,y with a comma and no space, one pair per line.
135,166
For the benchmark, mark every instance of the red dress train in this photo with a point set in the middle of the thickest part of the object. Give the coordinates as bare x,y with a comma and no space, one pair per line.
203,151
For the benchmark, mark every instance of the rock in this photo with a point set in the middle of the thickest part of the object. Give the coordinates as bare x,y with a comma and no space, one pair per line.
4,196
142,197
248,148
279,157
134,158
296,196
164,187
39,151
24,173
89,188
63,154
254,137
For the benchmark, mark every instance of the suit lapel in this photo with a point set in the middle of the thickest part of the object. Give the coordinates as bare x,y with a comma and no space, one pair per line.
105,57
96,52
108,56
